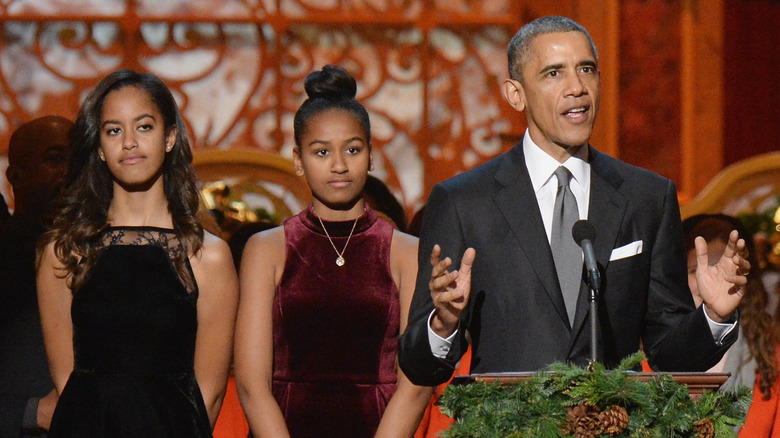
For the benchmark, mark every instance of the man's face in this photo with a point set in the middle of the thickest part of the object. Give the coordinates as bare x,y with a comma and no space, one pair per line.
42,168
560,91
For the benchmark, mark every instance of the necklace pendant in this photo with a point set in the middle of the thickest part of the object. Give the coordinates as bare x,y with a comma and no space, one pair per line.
340,261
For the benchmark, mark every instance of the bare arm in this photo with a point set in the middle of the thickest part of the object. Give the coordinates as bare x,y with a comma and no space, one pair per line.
261,268
407,405
54,300
46,406
217,302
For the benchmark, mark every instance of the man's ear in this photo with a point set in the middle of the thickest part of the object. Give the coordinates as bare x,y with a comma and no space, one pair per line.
514,94
12,173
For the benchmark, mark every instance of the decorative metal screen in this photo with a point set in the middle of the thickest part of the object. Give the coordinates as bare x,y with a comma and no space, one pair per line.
428,71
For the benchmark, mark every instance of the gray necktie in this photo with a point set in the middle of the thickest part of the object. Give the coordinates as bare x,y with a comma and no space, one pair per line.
566,253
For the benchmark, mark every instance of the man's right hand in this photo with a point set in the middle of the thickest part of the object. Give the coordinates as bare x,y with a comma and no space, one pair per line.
449,290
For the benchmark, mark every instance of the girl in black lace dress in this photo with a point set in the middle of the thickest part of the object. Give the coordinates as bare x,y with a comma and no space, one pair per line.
137,302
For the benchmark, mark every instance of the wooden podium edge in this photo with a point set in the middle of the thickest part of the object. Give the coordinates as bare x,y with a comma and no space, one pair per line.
696,382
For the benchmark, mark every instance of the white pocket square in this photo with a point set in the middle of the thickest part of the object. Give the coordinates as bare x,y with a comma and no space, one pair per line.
624,251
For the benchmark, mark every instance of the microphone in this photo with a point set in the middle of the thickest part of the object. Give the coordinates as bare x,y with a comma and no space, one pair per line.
584,234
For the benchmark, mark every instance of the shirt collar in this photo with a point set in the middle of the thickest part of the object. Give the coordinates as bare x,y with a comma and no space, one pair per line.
541,166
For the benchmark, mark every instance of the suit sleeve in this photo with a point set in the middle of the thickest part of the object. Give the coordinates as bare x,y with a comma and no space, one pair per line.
676,338
441,225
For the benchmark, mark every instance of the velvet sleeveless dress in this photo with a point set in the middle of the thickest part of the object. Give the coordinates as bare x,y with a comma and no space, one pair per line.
134,325
335,327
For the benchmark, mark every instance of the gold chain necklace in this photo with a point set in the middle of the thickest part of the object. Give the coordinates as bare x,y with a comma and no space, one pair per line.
340,259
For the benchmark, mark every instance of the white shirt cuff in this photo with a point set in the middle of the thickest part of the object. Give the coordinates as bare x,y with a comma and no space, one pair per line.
719,329
439,346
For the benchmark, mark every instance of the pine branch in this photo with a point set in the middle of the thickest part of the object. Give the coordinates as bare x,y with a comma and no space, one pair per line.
540,406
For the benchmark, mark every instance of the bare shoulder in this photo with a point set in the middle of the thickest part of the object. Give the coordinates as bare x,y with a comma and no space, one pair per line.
214,271
47,255
404,245
266,243
262,261
214,252
48,258
403,256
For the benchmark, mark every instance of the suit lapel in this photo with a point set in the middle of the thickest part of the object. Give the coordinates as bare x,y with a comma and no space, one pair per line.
607,206
517,202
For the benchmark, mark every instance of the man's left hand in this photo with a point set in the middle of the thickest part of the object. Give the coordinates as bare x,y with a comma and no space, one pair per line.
723,285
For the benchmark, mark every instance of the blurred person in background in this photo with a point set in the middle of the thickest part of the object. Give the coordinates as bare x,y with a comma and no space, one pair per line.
37,163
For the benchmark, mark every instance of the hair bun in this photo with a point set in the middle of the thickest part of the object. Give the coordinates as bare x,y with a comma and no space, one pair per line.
332,82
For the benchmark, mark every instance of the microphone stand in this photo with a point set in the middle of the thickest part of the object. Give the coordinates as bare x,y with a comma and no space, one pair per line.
594,322
583,234
593,279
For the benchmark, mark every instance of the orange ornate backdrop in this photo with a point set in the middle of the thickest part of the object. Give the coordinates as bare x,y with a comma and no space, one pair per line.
428,71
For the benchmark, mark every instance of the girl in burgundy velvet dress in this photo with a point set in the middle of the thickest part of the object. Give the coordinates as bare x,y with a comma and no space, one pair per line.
325,296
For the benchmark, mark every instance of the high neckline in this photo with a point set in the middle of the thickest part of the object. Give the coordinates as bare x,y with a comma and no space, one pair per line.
140,228
338,228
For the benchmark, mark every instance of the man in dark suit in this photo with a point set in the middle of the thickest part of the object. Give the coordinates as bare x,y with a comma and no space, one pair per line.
37,162
508,296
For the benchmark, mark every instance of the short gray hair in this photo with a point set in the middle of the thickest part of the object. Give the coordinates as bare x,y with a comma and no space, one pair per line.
520,45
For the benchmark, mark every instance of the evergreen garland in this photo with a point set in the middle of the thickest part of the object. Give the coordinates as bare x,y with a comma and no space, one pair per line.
567,401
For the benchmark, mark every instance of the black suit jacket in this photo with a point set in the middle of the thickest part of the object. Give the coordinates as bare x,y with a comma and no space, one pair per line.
516,315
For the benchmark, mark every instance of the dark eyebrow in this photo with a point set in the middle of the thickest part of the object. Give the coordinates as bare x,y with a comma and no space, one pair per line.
587,63
360,139
318,142
551,67
55,148
116,122
325,142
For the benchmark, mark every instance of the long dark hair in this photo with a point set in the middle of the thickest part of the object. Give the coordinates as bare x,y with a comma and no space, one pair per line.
758,329
82,210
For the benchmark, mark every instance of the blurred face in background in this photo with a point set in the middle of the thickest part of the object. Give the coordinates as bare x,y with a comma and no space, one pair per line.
38,161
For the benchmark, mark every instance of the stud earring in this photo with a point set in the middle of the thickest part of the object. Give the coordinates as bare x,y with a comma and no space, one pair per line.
299,172
168,148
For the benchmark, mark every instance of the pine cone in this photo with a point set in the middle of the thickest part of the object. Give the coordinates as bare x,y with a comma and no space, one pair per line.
583,420
614,420
704,428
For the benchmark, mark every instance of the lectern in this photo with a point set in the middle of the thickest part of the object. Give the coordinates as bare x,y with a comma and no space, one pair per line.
567,401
